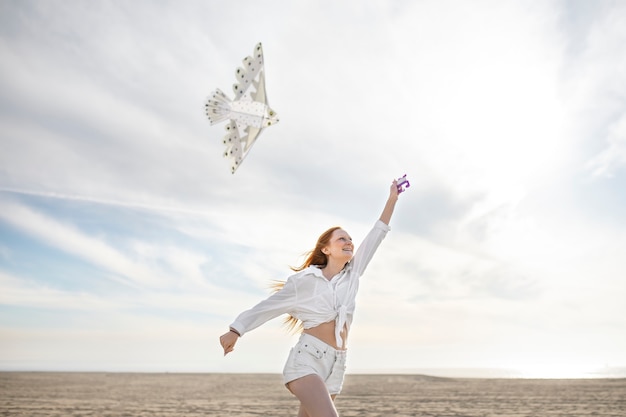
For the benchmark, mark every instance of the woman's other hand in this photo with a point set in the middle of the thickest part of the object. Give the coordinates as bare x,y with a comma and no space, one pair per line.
228,340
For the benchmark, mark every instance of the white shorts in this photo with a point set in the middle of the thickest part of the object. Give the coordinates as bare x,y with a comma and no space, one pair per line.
311,356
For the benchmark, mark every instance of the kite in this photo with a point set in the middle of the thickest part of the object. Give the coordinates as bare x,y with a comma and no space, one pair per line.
248,113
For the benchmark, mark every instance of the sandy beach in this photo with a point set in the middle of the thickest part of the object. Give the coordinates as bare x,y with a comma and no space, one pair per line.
133,395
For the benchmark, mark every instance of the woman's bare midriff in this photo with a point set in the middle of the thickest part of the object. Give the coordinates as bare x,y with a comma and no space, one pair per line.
326,333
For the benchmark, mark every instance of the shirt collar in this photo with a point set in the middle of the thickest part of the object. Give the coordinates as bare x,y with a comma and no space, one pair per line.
317,271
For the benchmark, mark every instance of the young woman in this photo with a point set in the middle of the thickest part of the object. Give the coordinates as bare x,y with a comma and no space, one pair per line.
321,295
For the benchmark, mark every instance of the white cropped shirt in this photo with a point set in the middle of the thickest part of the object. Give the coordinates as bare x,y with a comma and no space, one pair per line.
313,299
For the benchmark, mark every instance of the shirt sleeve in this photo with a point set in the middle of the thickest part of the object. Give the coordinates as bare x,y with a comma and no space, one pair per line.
368,247
282,301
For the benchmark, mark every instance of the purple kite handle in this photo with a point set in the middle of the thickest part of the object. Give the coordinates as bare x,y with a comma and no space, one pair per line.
402,184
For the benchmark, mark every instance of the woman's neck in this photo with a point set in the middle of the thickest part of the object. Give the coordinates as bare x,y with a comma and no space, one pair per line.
331,269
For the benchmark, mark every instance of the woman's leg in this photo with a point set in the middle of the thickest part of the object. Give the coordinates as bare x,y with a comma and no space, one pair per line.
315,401
302,412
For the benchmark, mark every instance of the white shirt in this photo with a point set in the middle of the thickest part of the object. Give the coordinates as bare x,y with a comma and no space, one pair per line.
313,299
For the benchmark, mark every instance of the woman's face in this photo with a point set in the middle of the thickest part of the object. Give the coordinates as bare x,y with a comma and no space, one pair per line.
340,246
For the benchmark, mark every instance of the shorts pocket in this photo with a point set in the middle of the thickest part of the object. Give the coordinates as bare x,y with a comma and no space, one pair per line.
306,352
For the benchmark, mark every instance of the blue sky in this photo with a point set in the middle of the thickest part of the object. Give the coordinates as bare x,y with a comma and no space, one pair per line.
126,244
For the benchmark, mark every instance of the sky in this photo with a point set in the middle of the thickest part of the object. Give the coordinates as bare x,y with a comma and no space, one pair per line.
127,245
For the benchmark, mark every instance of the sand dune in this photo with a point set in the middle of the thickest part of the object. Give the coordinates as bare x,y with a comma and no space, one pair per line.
134,395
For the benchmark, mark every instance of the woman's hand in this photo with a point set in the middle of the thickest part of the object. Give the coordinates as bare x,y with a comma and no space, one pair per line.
228,340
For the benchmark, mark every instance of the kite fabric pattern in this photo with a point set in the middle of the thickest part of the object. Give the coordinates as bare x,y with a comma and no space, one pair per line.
248,113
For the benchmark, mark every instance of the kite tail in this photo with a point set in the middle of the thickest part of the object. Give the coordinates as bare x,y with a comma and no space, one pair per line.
218,107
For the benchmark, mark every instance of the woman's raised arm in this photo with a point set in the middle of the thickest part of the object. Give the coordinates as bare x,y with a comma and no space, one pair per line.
385,216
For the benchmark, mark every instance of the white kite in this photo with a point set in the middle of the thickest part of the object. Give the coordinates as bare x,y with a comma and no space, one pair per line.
248,114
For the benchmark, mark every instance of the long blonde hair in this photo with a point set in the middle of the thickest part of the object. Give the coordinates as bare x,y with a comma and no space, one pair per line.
313,257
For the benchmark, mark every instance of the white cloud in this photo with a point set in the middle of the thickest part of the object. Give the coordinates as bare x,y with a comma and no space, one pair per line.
595,87
614,156
71,240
